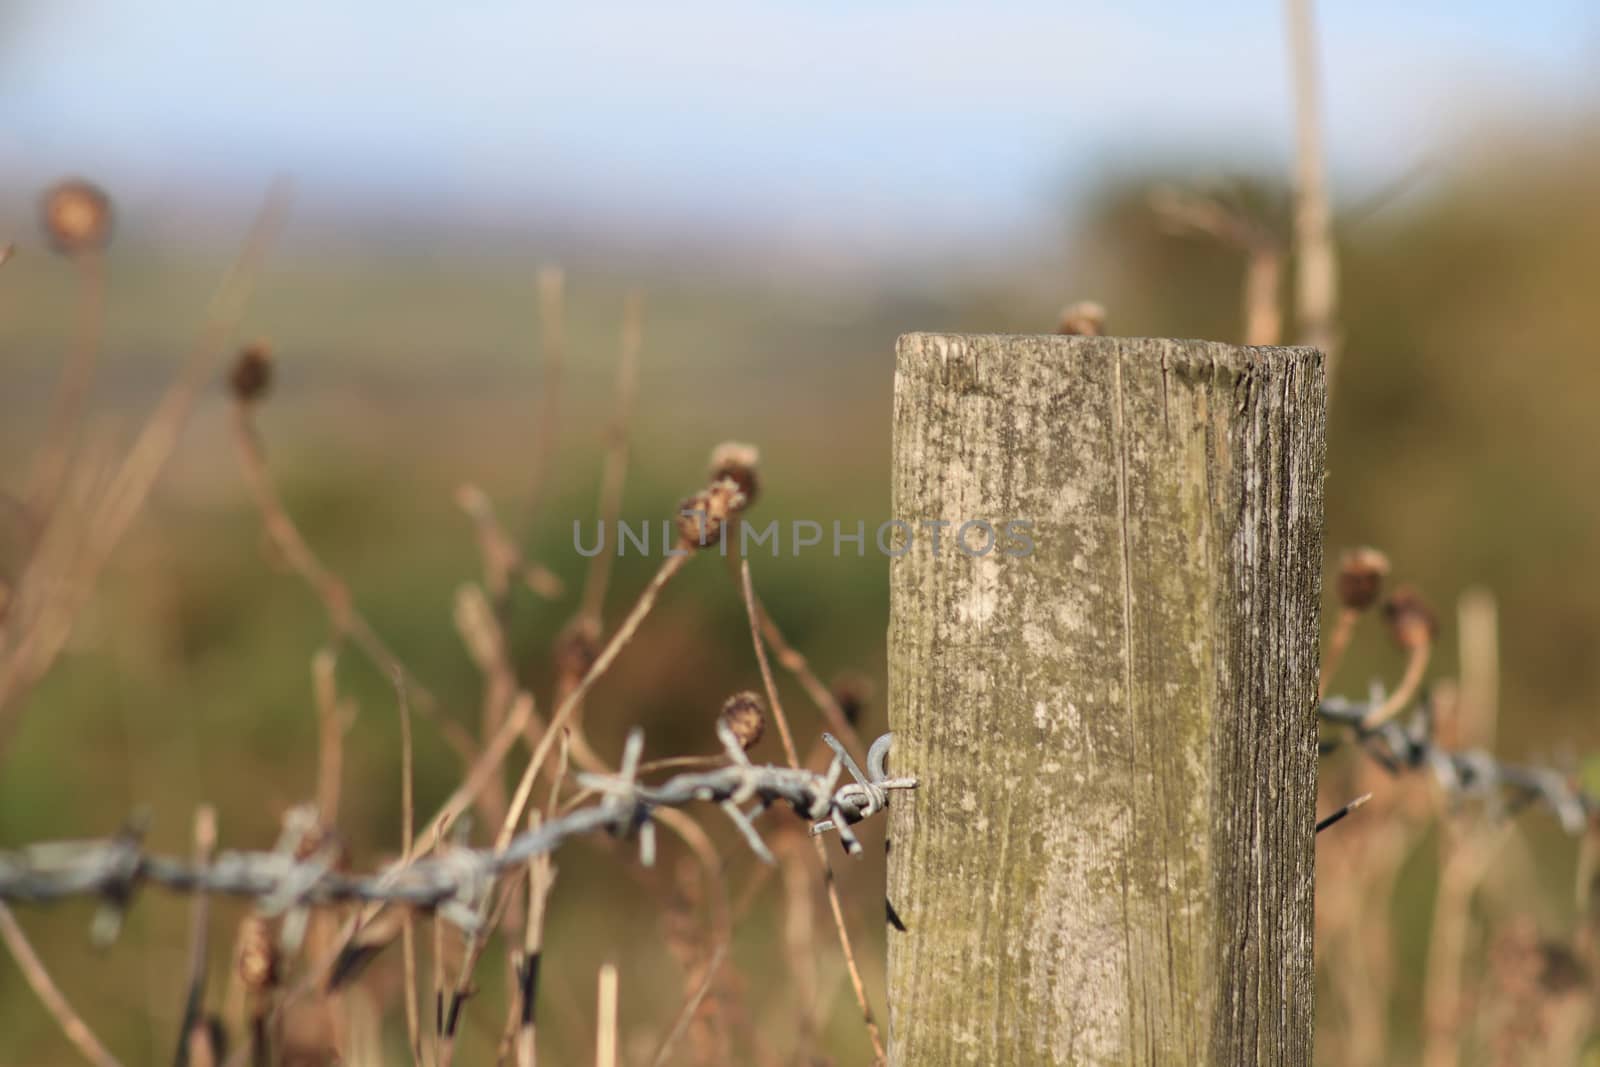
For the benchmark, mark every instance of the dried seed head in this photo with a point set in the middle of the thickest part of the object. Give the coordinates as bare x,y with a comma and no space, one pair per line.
737,461
1085,318
1361,575
251,376
576,648
1411,621
853,692
702,516
746,717
258,955
76,216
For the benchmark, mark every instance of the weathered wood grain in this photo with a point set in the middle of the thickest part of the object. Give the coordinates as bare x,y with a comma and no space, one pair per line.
1109,860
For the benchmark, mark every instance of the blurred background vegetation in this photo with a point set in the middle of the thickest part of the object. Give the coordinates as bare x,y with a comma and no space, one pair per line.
1462,442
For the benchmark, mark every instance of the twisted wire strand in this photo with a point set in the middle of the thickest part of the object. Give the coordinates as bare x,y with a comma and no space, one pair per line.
1406,743
456,881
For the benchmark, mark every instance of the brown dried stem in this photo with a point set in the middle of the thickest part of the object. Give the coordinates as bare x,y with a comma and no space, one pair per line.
44,987
342,612
616,461
553,340
605,1038
690,1005
1316,260
1344,628
830,883
74,548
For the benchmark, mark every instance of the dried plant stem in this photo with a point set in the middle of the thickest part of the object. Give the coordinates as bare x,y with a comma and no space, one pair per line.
1465,861
55,587
501,557
408,934
481,632
342,612
1479,629
44,987
541,877
330,735
1316,262
829,881
690,1006
552,287
49,473
789,751
563,714
616,462
1410,682
1344,628
791,660
484,769
800,941
1263,280
408,962
205,843
605,1036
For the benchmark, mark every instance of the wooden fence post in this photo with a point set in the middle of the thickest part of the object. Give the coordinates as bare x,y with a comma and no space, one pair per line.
1109,858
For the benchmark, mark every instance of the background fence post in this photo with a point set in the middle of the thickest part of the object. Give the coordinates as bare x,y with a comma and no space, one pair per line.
1109,858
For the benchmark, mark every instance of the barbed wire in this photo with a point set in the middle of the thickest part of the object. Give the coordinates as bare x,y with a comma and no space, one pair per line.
1407,743
456,881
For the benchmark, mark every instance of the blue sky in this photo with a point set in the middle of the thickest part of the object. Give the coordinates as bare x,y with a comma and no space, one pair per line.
868,120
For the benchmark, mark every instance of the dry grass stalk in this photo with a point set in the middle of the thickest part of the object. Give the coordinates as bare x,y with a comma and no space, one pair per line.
829,882
502,559
1478,632
195,1037
616,462
342,612
568,707
1190,213
56,583
485,642
791,660
552,288
330,734
1413,626
44,987
1316,260
800,940
605,1038
408,934
1466,854
691,1005
541,878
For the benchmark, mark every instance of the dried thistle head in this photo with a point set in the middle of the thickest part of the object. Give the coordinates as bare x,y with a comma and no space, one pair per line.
258,961
702,517
251,376
1361,575
77,216
1084,319
737,461
853,692
1412,622
746,716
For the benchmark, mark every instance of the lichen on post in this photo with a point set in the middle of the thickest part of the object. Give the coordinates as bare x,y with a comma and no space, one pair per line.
1112,711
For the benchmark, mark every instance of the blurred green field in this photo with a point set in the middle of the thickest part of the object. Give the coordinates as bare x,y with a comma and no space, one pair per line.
1462,442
